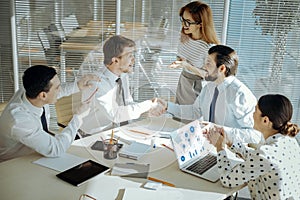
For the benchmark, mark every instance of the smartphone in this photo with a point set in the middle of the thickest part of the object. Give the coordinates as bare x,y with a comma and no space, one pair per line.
98,145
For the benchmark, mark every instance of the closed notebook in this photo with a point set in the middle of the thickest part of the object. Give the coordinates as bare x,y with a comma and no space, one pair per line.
135,150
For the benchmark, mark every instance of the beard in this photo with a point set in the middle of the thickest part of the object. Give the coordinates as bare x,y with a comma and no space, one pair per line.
213,76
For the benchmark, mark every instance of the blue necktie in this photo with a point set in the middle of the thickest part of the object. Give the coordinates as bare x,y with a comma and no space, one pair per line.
213,105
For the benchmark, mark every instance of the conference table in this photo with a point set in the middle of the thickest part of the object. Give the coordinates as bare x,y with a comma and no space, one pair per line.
20,178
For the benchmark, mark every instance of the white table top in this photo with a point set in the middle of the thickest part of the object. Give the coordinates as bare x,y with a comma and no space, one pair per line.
21,179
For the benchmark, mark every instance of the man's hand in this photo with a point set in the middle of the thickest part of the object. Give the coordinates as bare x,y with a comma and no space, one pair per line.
159,107
86,81
83,110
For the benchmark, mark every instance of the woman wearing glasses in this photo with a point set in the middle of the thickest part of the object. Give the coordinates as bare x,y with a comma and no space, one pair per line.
196,36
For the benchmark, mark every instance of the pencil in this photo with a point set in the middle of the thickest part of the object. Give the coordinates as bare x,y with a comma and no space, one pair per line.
161,181
167,147
111,137
140,132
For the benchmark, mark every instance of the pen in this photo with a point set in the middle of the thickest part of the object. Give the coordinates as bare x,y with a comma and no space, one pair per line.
161,181
167,147
91,95
102,140
140,132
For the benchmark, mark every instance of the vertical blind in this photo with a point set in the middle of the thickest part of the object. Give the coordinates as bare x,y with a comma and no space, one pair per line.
68,34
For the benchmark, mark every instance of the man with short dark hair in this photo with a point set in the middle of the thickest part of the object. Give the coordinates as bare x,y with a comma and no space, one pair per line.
224,100
113,104
24,122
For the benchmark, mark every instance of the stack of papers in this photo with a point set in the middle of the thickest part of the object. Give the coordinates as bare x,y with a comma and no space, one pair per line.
170,193
61,163
131,170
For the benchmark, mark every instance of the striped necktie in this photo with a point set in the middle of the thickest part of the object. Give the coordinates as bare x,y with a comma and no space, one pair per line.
213,105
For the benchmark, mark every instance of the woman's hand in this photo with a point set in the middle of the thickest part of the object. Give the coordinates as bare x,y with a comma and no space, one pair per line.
217,137
186,65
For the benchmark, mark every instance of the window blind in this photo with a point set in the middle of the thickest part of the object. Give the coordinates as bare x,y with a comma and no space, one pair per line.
266,37
6,69
69,35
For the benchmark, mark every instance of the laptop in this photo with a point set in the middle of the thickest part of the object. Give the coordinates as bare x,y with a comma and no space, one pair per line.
195,155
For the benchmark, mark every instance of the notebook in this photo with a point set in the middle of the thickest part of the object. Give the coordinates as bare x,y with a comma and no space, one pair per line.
195,155
135,150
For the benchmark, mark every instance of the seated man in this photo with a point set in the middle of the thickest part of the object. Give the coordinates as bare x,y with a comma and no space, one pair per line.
113,104
224,100
23,123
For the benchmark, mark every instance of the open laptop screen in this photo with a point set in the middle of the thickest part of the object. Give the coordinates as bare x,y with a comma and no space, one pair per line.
189,142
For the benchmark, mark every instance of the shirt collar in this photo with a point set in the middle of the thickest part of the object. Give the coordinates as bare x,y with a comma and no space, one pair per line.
36,110
109,75
227,81
273,138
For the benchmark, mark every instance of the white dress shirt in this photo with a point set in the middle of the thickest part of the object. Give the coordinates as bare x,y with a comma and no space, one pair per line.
234,108
105,112
21,130
272,171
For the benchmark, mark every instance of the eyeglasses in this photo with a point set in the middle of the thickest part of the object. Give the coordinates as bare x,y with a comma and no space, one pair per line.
129,54
188,23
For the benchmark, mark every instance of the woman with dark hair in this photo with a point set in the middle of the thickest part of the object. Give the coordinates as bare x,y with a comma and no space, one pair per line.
272,169
197,34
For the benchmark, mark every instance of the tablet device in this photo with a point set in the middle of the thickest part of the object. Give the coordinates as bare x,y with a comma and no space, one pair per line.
98,145
81,173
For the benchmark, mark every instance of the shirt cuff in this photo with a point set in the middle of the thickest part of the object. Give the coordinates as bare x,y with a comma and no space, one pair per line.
76,121
222,153
145,106
172,108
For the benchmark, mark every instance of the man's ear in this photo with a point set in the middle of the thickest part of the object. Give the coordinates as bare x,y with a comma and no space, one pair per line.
114,60
222,68
42,95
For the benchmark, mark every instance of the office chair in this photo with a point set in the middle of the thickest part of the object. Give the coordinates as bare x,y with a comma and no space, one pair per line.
51,51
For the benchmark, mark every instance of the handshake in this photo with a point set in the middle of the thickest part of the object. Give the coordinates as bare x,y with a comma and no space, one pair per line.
159,107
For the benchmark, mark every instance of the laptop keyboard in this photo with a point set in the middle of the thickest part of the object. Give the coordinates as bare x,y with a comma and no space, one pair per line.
203,164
